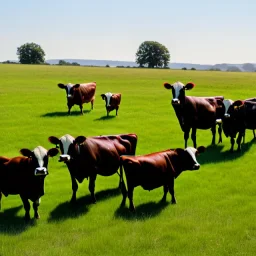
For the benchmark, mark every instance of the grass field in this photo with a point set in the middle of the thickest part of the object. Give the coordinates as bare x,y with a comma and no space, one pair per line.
216,206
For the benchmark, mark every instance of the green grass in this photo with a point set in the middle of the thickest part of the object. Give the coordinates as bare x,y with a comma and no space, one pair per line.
216,209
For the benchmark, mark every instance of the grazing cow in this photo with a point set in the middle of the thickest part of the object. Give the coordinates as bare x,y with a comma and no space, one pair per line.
157,169
24,176
112,101
78,94
87,157
241,115
196,112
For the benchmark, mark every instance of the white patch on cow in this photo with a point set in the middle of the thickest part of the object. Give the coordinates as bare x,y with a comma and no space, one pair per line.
69,86
66,140
177,87
227,104
40,153
192,152
108,97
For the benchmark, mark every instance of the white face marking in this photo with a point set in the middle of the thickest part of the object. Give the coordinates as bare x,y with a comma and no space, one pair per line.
177,87
66,140
192,152
227,104
108,96
69,86
40,153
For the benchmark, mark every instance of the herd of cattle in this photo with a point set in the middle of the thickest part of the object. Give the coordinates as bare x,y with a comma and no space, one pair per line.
87,157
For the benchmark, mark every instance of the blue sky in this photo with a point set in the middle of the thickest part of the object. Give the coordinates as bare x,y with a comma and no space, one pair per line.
203,32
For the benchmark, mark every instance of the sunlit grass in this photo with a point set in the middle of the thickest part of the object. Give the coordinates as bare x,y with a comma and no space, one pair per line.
216,209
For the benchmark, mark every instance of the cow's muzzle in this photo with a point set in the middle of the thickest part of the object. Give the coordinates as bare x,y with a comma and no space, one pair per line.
219,121
64,158
196,167
175,102
41,171
227,115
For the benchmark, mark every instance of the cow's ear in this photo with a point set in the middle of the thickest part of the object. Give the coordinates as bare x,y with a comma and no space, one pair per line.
52,152
179,150
62,86
76,86
80,139
26,152
200,150
167,85
189,86
103,96
54,140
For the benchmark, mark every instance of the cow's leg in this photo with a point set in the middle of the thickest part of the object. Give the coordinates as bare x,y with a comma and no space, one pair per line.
69,108
74,188
124,193
193,136
92,102
171,190
165,193
130,196
213,129
26,205
254,136
35,207
92,179
81,109
117,110
232,141
0,200
186,136
220,132
238,141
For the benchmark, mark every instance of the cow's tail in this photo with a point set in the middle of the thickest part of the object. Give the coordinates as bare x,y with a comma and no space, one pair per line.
122,183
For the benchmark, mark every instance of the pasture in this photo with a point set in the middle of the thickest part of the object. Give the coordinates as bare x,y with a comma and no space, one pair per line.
215,212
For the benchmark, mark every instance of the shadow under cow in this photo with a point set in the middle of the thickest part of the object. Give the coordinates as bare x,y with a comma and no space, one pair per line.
12,224
68,210
143,211
104,118
214,154
61,114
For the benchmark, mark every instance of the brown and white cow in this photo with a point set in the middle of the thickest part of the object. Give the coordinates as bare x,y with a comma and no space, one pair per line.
78,94
196,112
157,169
112,101
88,157
24,176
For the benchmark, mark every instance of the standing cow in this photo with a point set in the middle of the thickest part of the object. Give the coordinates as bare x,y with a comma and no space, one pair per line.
24,176
196,112
87,157
112,101
157,169
78,94
241,115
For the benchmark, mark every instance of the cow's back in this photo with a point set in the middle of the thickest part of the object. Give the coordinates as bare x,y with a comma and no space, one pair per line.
88,92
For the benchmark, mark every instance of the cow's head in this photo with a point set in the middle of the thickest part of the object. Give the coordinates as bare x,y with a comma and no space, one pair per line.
69,146
39,157
70,89
188,157
107,97
178,91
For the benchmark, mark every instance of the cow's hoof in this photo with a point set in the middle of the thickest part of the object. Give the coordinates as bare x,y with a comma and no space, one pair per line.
27,218
37,216
173,202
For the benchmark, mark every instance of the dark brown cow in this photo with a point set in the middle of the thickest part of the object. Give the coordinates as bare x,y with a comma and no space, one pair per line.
87,157
157,169
241,115
24,176
196,112
112,101
78,94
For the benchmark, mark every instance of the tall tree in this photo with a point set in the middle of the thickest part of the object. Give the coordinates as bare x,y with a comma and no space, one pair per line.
152,54
30,53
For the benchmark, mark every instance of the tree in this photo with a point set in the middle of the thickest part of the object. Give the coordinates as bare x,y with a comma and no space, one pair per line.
30,53
249,67
152,54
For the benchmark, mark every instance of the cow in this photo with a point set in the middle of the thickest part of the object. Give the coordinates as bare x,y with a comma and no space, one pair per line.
196,112
241,115
24,176
87,157
112,101
157,169
78,94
